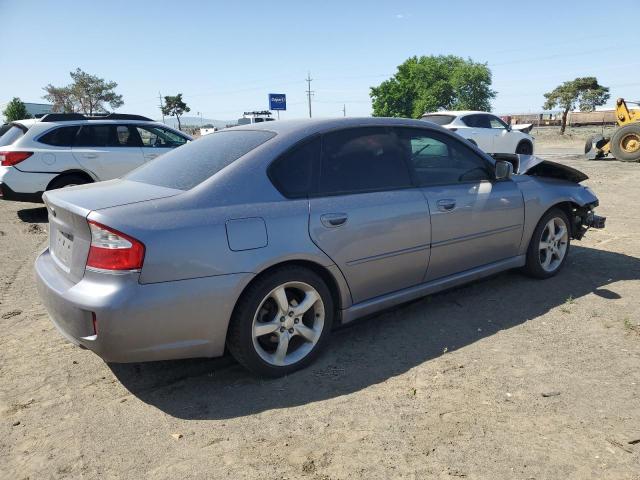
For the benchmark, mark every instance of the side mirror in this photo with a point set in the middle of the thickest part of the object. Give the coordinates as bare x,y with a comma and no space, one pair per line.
508,128
504,170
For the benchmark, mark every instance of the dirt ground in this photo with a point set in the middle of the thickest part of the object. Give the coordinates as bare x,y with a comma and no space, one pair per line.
507,378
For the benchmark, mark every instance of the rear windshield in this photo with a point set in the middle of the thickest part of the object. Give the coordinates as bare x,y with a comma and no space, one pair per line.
187,166
12,134
439,119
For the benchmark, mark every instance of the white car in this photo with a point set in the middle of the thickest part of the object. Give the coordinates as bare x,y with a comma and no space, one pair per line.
60,150
486,131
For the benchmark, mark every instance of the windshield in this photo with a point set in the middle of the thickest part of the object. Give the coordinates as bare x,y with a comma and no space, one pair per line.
9,136
439,119
187,166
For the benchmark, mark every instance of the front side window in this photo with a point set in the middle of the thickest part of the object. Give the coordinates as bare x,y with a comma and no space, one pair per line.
60,137
184,168
496,123
440,160
127,136
292,172
360,160
159,137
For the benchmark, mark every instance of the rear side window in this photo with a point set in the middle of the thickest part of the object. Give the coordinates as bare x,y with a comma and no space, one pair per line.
11,135
60,137
292,172
439,119
95,136
190,165
362,159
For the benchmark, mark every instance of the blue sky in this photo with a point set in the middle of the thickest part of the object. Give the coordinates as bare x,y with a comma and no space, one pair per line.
226,56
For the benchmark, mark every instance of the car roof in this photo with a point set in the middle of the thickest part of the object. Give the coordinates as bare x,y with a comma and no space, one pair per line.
318,125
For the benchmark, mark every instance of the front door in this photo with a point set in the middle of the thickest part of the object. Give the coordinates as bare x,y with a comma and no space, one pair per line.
367,216
475,220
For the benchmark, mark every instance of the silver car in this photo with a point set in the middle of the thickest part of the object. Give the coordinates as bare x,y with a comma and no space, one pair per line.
263,238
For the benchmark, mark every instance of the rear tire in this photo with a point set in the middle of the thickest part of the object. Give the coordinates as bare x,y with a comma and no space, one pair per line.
281,322
524,148
68,180
549,245
625,143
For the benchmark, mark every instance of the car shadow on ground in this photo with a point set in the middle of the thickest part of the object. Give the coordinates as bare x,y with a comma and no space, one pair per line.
33,215
375,349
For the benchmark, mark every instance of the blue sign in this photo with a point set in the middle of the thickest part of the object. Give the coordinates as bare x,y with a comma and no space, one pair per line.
277,101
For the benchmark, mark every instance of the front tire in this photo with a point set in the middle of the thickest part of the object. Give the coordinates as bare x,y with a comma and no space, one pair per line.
524,148
549,245
281,322
67,180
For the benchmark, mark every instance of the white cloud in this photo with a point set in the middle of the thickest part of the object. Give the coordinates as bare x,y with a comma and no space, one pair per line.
399,16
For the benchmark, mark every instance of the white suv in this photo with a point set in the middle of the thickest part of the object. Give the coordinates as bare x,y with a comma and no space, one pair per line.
60,150
486,131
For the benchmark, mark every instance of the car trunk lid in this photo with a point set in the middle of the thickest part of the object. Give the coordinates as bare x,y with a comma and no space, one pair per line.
68,208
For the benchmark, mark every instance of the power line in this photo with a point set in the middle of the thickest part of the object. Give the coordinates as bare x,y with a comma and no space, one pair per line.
309,91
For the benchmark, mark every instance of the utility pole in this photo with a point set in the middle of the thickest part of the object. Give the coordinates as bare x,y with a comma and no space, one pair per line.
344,110
160,98
309,91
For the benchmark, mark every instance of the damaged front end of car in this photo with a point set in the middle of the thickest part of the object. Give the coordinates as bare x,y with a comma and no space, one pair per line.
581,212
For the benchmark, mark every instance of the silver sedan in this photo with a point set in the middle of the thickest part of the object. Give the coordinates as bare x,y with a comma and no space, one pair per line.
263,238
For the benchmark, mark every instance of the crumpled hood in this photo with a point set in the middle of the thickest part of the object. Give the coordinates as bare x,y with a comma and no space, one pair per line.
536,166
539,167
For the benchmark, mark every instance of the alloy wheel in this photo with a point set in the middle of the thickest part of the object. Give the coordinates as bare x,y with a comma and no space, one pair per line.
288,323
553,244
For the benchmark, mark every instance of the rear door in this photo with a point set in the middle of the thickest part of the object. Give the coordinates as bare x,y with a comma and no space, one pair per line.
158,140
366,215
475,220
108,150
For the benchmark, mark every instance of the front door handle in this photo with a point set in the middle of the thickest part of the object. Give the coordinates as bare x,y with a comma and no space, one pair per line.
446,204
90,155
333,220
151,156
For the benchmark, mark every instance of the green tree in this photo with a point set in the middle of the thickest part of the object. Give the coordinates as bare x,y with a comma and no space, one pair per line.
15,110
429,83
583,92
174,106
87,94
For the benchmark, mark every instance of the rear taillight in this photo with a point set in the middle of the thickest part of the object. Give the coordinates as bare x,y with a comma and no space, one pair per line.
7,159
113,250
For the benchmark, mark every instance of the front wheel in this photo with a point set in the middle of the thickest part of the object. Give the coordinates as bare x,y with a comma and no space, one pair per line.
549,245
524,148
281,322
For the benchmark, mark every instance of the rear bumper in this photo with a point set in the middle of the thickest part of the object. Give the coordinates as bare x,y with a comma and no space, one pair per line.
6,193
140,322
22,186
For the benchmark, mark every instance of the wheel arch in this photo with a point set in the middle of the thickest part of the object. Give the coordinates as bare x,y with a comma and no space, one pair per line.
79,172
334,280
523,141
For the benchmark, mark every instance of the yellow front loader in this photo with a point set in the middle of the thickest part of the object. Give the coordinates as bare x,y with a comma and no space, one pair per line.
624,144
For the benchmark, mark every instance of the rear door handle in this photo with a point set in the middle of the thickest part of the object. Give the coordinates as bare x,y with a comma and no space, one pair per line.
446,204
333,220
90,155
151,156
